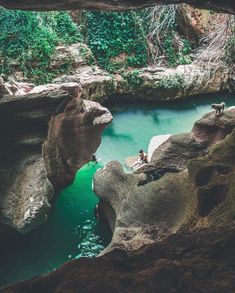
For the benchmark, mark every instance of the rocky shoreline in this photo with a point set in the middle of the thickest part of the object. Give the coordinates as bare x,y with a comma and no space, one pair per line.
150,84
171,234
34,157
164,195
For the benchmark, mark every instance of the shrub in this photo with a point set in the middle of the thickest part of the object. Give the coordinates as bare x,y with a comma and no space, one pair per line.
28,39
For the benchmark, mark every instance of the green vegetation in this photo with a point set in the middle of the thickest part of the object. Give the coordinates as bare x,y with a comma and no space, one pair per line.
117,40
172,82
174,54
133,78
28,39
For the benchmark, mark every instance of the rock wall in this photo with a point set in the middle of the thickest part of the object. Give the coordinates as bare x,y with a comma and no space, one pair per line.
50,118
152,83
174,233
167,194
220,5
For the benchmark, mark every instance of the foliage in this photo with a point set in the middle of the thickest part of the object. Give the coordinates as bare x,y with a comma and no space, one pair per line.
28,39
116,39
175,81
133,78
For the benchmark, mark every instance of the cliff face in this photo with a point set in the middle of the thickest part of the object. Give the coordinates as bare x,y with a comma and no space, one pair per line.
170,192
48,118
220,5
186,218
199,261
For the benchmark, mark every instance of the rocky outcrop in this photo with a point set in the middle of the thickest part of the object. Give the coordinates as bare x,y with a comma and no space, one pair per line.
196,23
142,213
198,261
75,55
49,118
226,6
152,83
174,154
162,197
96,83
73,136
155,83
185,221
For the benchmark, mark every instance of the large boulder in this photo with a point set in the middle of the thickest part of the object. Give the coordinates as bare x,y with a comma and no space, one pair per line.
27,192
96,83
36,128
162,196
73,136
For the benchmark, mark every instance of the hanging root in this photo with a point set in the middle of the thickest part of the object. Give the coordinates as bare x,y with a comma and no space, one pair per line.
216,47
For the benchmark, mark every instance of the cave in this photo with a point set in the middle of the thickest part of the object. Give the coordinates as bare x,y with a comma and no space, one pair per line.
166,217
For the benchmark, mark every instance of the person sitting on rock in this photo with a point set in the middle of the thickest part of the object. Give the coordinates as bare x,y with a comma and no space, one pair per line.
143,159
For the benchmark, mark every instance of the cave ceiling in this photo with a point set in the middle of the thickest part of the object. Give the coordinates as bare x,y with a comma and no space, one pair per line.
112,5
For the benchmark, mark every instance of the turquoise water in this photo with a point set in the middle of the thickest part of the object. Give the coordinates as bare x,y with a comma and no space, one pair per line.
72,230
134,125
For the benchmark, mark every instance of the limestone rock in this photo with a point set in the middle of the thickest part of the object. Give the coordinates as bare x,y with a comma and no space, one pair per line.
163,195
49,117
196,23
154,83
140,213
25,201
73,136
161,84
185,221
74,55
180,262
174,153
96,83
193,261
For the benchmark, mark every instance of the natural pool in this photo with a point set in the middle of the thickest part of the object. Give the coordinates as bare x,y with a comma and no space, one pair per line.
72,230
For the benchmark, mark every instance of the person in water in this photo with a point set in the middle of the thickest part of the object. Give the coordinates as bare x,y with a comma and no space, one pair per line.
93,160
143,159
